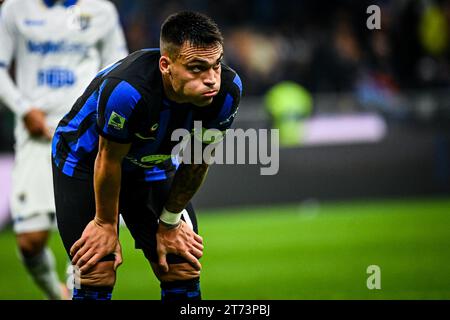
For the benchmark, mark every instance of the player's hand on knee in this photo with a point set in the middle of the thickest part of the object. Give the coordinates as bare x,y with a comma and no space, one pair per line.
98,240
182,241
118,256
34,121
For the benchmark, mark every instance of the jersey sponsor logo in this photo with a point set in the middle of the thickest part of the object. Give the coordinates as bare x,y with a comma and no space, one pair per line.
53,47
56,77
34,23
155,158
152,130
144,138
116,121
149,161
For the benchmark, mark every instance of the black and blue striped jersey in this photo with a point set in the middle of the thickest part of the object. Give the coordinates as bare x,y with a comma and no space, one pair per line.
125,103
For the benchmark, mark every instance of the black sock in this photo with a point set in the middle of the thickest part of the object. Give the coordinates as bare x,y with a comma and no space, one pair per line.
92,293
182,290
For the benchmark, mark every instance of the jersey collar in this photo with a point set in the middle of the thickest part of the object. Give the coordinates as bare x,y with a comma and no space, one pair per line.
66,3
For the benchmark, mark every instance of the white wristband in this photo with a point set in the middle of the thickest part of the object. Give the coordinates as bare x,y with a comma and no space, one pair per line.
170,218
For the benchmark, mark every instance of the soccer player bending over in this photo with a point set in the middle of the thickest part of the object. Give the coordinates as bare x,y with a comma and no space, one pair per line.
112,154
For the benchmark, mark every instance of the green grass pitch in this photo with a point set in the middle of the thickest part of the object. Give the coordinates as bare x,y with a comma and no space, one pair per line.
309,251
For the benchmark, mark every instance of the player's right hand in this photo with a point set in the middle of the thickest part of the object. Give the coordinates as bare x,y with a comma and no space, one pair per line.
98,240
35,123
182,241
118,256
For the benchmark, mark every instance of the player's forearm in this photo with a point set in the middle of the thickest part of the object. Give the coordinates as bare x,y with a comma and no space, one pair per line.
187,181
107,177
11,96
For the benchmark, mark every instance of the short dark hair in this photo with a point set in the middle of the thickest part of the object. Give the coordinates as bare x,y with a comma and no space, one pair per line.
187,26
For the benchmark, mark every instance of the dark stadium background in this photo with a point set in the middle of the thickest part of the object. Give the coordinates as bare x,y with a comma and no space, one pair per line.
380,195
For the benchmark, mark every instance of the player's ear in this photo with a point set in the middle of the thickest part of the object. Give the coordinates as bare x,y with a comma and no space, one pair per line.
164,64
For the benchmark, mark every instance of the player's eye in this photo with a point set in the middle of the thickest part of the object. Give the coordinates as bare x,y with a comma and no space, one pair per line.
195,69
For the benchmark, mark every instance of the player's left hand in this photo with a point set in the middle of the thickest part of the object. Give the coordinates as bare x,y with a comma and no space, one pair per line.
98,240
182,241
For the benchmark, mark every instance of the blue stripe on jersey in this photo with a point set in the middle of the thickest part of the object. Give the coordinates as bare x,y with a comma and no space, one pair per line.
3,64
155,174
85,144
108,69
67,3
151,49
122,101
102,86
88,108
226,108
56,156
237,81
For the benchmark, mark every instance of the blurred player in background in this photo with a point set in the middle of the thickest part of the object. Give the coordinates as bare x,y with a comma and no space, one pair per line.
58,46
113,153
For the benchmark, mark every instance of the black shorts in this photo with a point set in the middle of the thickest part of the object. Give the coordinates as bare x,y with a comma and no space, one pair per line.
140,205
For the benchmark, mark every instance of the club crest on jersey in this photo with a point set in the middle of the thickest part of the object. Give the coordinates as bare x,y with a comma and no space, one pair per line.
116,121
85,21
154,127
78,20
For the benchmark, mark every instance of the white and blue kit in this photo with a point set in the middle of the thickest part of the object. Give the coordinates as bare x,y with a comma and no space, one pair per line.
58,47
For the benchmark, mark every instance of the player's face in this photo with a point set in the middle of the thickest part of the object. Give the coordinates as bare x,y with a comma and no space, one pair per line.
195,74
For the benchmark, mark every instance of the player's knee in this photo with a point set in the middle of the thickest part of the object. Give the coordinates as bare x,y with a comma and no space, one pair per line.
101,274
31,244
177,272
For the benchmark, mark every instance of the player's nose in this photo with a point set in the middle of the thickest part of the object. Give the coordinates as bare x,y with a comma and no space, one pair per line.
210,78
